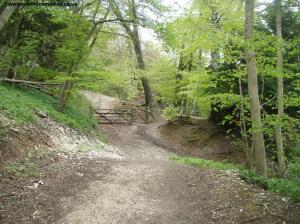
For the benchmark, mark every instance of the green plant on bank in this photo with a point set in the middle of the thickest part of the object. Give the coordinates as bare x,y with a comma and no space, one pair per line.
205,163
28,166
23,169
289,186
19,104
170,113
3,132
102,137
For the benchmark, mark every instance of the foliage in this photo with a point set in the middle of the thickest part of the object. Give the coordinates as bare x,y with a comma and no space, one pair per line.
293,169
161,72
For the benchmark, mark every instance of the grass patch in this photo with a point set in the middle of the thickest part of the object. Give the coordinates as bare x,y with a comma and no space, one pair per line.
102,137
3,132
289,187
29,165
205,163
18,104
23,169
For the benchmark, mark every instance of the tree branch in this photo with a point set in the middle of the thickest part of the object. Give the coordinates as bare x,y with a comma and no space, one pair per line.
114,33
113,20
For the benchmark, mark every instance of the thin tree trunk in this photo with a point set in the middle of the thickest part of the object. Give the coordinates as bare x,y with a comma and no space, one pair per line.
179,77
215,54
279,144
196,109
62,97
247,150
141,64
257,132
6,14
147,92
135,38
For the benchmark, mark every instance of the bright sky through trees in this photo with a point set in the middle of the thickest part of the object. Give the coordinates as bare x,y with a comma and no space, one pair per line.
178,7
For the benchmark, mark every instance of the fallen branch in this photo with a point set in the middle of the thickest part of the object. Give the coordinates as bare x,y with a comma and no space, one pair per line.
266,208
41,86
40,89
16,81
7,195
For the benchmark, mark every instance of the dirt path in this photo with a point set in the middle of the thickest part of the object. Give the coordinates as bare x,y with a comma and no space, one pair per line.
146,187
99,100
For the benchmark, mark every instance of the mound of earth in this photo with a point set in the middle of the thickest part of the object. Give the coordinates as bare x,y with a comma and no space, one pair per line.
201,139
42,162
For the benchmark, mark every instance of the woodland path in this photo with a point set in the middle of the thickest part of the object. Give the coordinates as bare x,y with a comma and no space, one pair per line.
147,187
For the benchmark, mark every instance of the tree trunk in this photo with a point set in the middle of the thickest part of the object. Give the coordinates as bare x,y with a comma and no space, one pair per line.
257,132
215,54
179,77
141,65
195,108
63,96
135,38
6,14
279,144
247,150
147,92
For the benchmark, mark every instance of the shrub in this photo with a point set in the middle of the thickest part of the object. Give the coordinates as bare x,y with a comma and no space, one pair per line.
170,113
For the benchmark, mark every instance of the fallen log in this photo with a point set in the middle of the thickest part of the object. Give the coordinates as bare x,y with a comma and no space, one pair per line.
40,89
41,86
17,81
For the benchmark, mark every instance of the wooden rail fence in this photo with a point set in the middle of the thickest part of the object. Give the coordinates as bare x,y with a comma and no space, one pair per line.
127,115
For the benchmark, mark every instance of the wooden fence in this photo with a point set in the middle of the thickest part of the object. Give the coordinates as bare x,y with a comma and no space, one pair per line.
126,115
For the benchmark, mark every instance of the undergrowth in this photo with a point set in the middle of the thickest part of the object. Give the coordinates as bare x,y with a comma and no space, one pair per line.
289,186
18,104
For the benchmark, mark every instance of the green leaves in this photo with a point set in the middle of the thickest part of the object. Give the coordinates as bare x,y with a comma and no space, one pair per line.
74,44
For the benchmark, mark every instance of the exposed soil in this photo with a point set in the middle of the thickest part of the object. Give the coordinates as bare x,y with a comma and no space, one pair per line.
201,139
143,186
